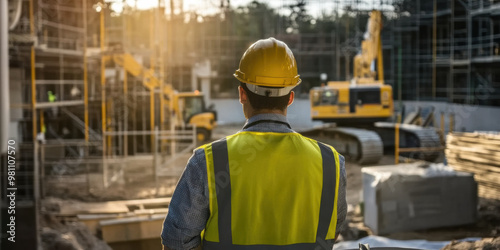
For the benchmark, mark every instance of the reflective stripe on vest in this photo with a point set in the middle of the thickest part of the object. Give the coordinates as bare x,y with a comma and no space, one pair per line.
263,195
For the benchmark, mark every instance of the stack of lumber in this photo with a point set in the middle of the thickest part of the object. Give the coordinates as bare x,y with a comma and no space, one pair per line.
477,153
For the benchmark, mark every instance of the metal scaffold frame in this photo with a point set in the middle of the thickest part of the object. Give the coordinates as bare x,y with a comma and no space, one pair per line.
448,49
80,113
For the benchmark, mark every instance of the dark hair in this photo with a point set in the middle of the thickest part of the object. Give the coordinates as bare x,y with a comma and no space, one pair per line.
259,102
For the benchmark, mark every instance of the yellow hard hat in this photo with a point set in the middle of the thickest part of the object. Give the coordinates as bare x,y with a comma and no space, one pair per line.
268,68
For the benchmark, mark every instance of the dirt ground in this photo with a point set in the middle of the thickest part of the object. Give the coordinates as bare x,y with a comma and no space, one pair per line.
140,184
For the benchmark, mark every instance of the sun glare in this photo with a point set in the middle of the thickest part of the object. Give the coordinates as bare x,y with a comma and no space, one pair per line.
142,4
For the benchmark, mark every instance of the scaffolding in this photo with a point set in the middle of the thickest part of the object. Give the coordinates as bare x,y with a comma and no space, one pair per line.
83,107
47,80
445,50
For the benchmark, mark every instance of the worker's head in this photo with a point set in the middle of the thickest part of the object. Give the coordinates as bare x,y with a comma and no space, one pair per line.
267,75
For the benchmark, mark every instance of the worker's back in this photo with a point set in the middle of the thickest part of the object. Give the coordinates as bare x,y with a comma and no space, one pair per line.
272,189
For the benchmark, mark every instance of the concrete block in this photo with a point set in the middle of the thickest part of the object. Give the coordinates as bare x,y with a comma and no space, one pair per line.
416,196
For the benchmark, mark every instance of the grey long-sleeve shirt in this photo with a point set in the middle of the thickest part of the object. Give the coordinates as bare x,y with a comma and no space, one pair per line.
189,208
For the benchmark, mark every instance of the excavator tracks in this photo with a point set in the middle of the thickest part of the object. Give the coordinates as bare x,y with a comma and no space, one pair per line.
411,136
367,146
361,145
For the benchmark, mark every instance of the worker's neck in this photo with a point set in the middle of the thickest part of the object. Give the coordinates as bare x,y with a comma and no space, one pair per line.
252,112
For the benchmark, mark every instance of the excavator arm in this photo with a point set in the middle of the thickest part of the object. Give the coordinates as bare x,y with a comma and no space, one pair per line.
205,121
371,49
133,67
128,62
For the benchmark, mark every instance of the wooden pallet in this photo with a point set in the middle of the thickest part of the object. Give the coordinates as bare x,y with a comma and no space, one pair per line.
477,153
119,221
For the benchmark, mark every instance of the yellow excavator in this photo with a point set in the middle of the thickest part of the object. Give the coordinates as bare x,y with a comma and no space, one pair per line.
188,107
365,104
364,98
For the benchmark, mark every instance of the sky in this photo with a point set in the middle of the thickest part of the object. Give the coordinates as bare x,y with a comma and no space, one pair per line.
206,7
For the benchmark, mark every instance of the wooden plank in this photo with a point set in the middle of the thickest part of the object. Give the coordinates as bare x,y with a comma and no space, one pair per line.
135,228
472,165
472,140
111,207
486,158
163,211
489,194
492,180
475,140
473,149
489,184
476,172
92,220
494,148
493,135
154,201
75,208
473,158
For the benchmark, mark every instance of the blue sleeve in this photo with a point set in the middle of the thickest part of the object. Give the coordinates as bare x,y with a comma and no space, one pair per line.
341,201
189,208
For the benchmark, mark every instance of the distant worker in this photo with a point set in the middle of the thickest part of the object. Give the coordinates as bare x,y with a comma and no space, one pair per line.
52,98
265,187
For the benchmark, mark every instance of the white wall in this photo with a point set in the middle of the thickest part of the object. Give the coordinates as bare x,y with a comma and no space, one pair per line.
229,111
468,118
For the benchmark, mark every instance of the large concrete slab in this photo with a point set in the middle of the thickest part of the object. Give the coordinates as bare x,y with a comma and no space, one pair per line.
416,196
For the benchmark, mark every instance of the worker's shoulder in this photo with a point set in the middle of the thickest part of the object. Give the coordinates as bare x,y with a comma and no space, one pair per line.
199,153
201,149
319,142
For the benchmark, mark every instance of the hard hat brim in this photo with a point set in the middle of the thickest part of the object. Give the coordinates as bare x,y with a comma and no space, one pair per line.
269,91
275,82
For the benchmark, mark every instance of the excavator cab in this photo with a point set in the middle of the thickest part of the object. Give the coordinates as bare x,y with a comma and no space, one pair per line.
194,112
343,103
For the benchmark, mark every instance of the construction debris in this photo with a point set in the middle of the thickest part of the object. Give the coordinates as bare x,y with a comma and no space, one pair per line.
113,221
477,153
486,243
378,242
68,235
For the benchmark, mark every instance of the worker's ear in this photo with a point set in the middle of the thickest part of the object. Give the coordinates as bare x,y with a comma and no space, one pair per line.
292,96
243,95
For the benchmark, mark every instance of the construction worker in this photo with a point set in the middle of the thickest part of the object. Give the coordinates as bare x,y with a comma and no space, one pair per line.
52,98
265,187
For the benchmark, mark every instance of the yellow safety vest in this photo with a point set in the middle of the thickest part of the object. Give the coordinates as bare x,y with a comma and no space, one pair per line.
271,191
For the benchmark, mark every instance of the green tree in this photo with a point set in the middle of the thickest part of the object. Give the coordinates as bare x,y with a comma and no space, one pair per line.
299,20
257,20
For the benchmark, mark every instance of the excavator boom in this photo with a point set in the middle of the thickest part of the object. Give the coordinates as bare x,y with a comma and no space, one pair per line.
204,120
